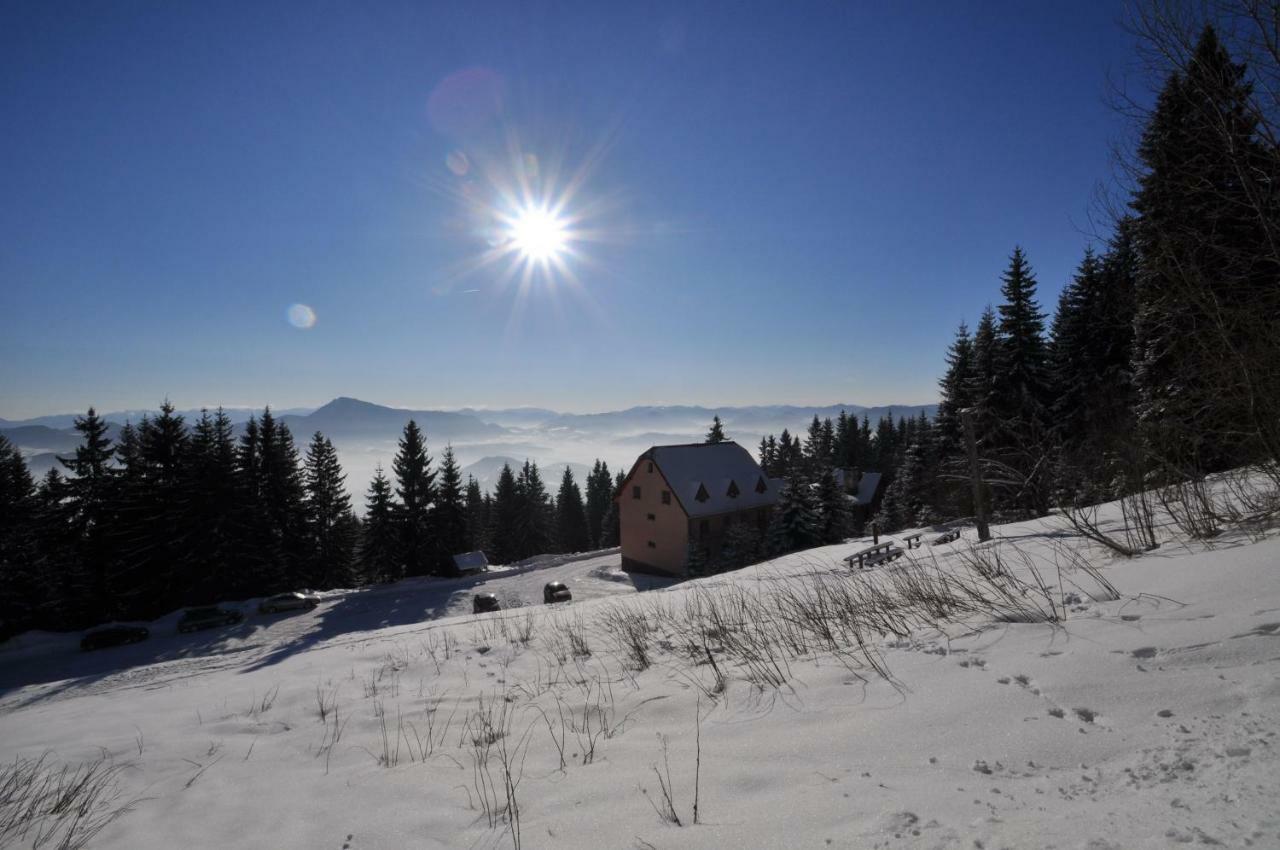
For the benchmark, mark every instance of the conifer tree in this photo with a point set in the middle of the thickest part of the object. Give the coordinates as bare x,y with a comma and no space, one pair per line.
22,592
212,518
477,517
571,516
281,494
449,517
329,525
379,539
611,534
1207,318
534,514
716,434
599,494
88,509
796,522
415,487
836,515
503,519
1021,384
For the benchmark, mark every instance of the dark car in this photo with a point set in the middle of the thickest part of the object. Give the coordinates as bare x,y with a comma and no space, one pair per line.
195,619
555,591
113,636
288,602
484,602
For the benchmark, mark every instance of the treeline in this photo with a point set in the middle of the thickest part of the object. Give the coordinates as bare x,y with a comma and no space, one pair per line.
174,514
1162,360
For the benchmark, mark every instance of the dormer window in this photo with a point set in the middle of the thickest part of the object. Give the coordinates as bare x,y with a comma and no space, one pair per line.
702,495
733,489
760,485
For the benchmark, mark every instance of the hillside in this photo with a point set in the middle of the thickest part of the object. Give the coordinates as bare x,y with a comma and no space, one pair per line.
1107,703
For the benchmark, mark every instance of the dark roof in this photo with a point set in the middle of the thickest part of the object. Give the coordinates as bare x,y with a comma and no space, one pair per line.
715,468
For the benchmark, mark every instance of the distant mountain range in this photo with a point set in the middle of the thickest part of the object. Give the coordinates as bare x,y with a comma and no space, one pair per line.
365,433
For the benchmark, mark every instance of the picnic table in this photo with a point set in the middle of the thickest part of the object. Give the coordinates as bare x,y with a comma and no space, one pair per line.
913,540
873,555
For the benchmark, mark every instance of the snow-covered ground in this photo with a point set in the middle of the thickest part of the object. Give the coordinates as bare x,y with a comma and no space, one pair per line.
391,717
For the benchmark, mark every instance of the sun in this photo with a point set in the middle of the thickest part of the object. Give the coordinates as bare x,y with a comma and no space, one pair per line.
539,234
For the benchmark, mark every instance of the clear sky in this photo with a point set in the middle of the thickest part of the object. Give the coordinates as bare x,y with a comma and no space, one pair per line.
771,203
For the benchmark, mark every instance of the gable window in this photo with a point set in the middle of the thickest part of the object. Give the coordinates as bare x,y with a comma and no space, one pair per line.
733,489
703,495
635,492
652,518
651,467
666,497
653,545
760,485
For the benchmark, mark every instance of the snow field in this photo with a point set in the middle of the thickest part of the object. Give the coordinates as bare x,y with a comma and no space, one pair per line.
1039,692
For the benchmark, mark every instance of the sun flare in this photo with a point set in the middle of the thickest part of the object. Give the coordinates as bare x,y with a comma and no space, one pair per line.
538,234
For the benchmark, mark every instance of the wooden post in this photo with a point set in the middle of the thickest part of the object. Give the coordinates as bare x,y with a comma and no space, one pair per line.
875,533
975,475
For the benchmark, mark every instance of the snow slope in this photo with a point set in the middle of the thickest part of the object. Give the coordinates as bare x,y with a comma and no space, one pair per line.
1148,720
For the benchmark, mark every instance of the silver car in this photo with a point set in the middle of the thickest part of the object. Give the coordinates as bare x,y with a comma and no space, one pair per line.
288,602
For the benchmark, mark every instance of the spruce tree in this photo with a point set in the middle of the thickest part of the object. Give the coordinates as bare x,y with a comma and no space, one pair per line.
22,592
503,519
716,434
1021,385
415,487
89,508
599,494
571,516
797,521
379,540
1208,313
449,517
834,508
212,518
534,514
477,517
330,531
282,494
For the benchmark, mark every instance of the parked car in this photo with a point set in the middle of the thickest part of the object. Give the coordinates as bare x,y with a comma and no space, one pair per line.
555,591
288,602
113,636
483,602
194,619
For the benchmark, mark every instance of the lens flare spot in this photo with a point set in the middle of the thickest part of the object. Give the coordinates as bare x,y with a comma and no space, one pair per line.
458,163
301,316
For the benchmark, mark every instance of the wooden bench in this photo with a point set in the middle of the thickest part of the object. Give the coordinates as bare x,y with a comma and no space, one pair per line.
947,537
873,555
913,540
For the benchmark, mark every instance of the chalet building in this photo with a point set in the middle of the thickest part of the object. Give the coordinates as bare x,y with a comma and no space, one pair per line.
688,495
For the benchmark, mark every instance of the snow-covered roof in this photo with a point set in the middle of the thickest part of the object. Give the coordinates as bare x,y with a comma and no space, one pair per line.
469,562
717,468
867,486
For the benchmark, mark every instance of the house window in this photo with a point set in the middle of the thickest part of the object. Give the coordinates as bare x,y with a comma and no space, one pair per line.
733,489
702,495
666,497
760,485
635,492
653,545
704,528
651,467
652,518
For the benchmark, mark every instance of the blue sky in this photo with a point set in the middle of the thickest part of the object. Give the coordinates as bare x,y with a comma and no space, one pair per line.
777,203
